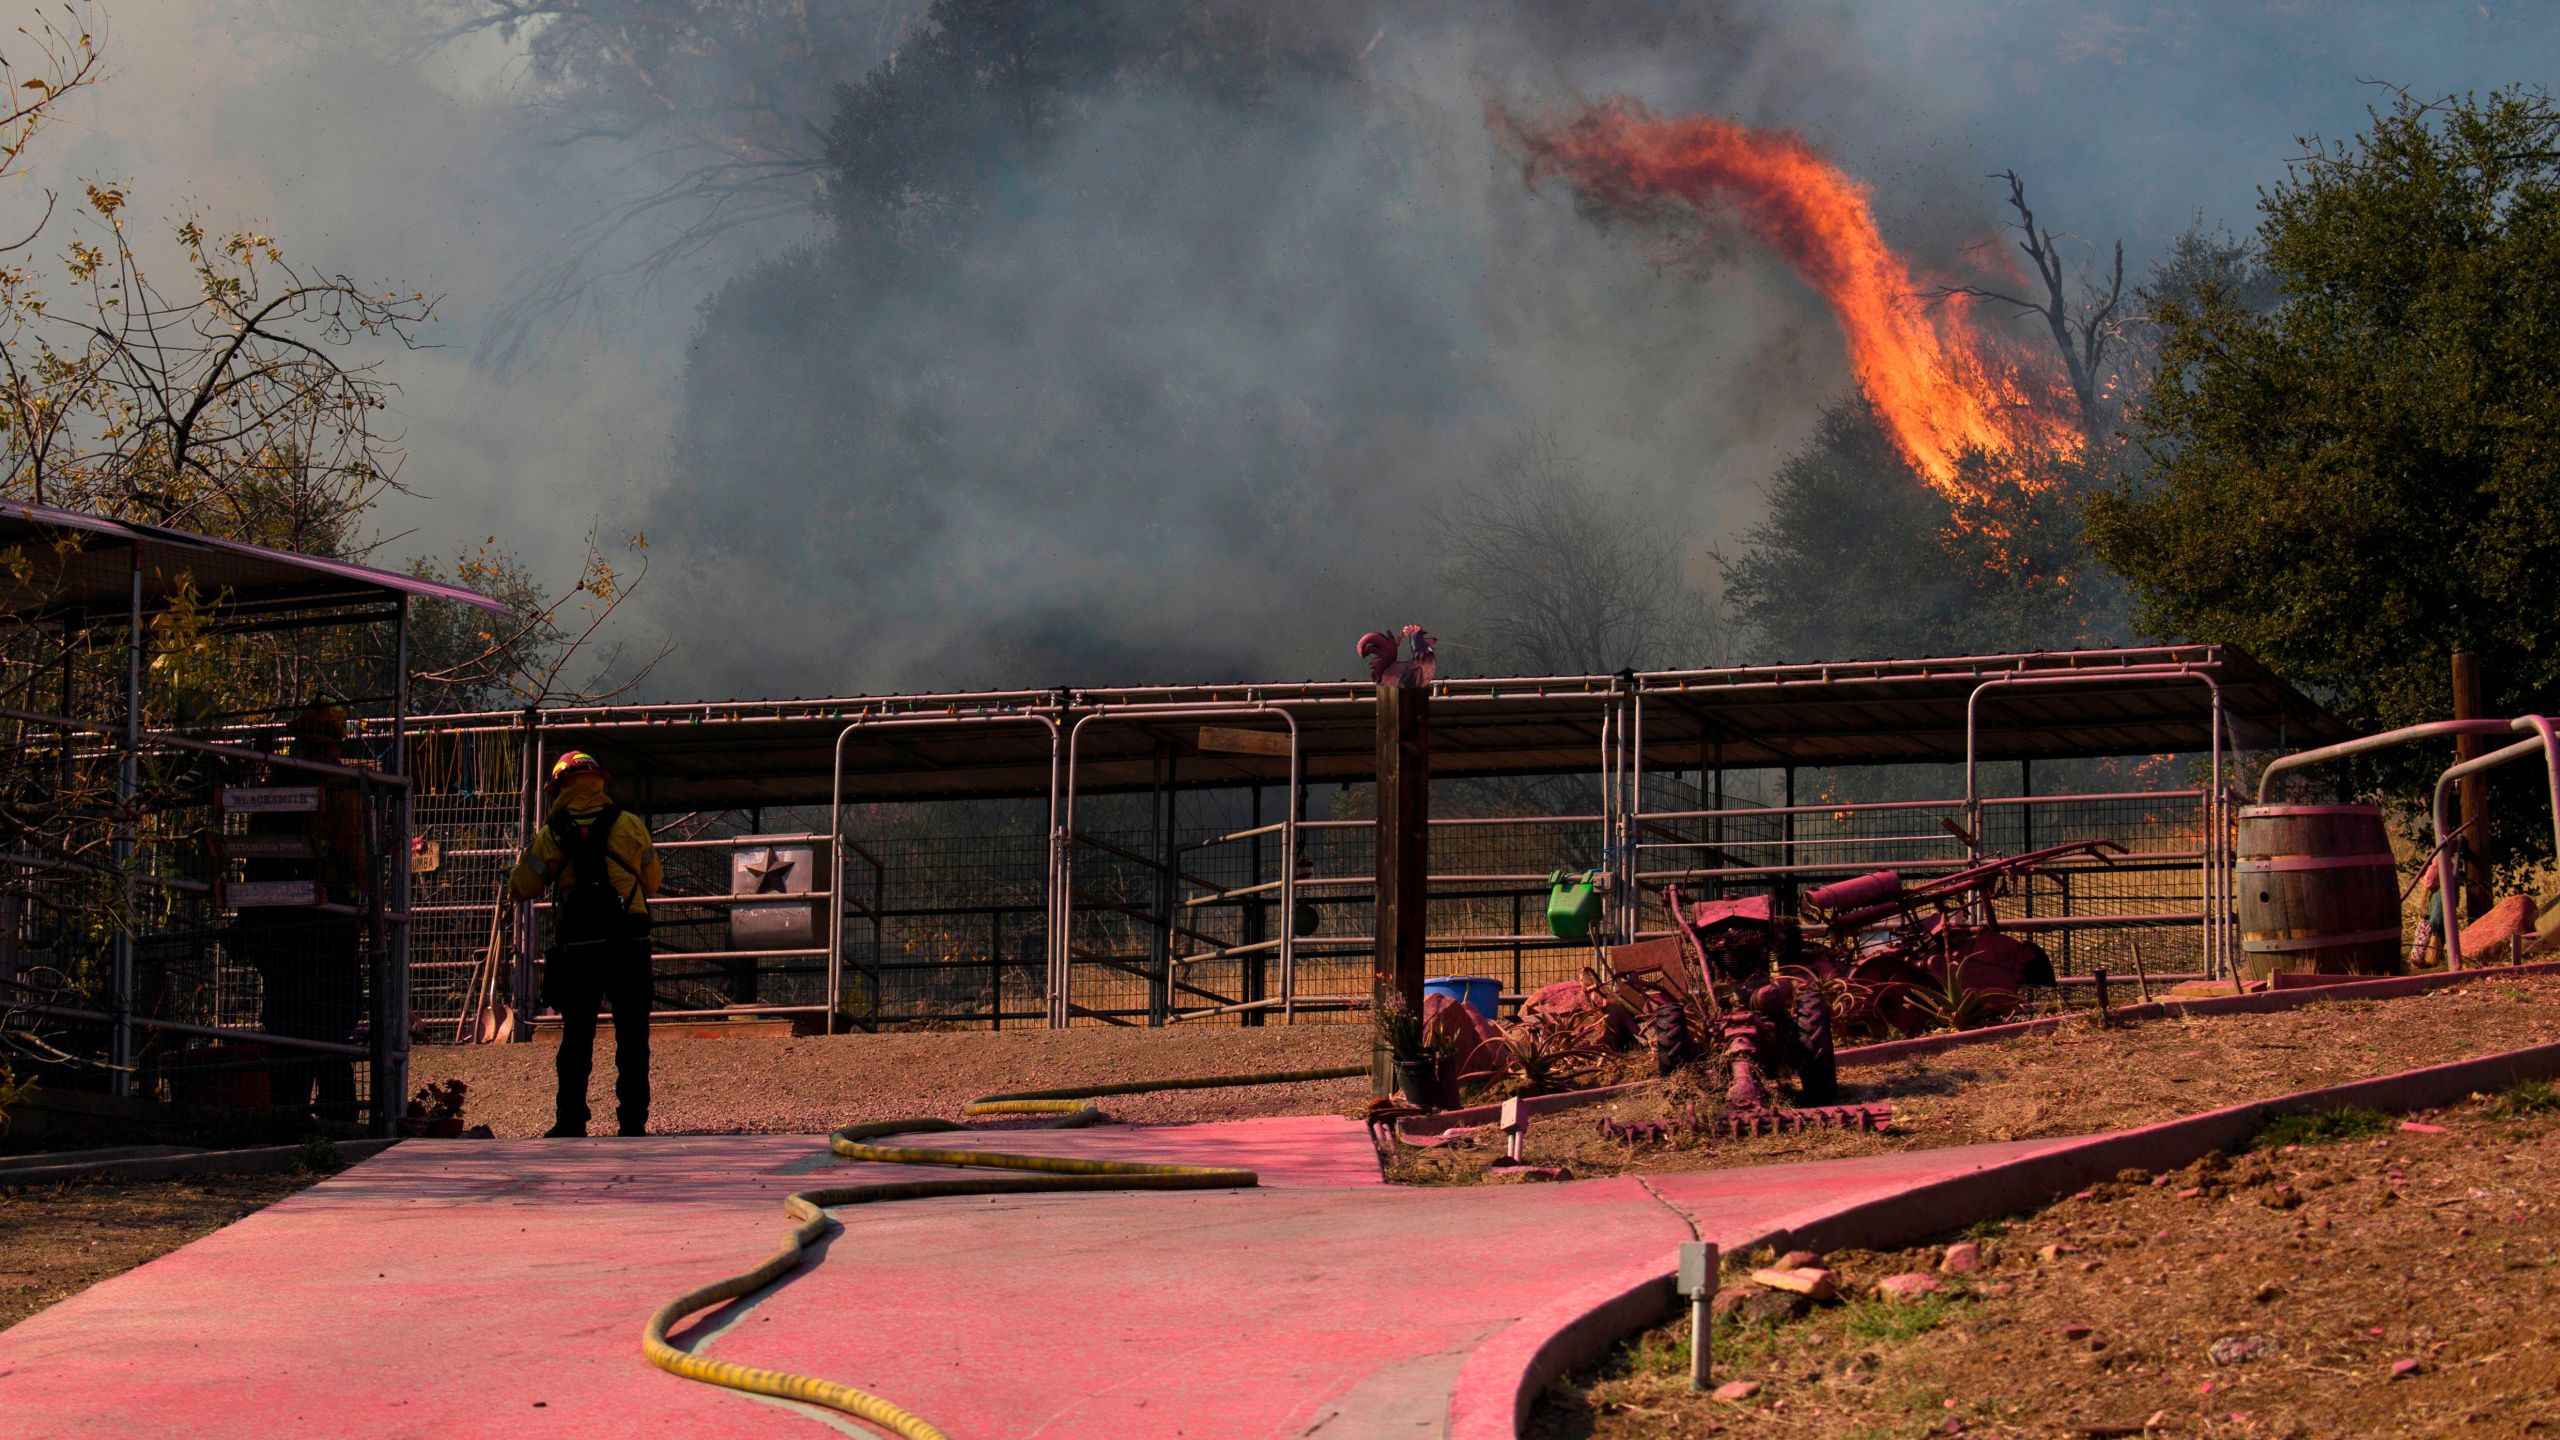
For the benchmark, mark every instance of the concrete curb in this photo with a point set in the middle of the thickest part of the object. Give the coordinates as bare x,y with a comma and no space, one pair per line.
257,1160
1502,1379
2263,1002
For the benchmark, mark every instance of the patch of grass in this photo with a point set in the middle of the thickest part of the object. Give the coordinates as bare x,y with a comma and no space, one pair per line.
319,1156
1991,1229
2529,1097
1875,1318
2321,1127
1660,1352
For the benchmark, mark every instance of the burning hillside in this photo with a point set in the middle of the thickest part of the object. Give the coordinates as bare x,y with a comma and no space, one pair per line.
1941,387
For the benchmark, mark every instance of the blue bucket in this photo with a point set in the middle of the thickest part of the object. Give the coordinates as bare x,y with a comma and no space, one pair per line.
1480,993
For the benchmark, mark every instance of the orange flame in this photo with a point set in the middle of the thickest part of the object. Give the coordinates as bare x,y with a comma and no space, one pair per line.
1937,384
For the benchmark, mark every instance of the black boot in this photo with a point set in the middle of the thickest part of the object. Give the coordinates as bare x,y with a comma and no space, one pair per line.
563,1130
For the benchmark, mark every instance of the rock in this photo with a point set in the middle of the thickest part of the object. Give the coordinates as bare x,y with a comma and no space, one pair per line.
1910,1286
1961,1259
2191,1192
1809,1281
1800,1260
2403,1369
1734,1392
2241,1349
2075,1332
1729,1301
1775,1307
1998,1289
2420,1127
2266,1293
1857,1369
2053,1252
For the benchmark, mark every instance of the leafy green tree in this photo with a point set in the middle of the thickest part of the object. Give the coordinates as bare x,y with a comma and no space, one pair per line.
1858,559
2360,477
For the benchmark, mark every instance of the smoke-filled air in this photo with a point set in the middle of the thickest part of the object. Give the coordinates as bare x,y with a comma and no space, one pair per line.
896,345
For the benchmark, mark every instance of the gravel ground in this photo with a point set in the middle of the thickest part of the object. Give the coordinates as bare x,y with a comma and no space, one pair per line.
2396,1283
810,1085
58,1240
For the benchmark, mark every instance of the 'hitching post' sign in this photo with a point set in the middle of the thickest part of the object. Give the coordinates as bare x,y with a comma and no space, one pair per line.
270,799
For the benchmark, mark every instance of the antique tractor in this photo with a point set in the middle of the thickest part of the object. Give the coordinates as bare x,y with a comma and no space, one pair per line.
1769,992
1732,979
1930,955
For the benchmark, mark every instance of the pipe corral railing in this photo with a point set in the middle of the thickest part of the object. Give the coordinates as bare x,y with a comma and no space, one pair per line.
1053,902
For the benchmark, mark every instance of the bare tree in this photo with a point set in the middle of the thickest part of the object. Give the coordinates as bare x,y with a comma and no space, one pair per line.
2084,329
1561,581
548,649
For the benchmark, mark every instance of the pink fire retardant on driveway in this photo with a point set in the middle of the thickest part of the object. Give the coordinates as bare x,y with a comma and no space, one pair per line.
496,1289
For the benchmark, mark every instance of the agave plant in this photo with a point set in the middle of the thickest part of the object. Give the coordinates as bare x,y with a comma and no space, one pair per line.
1543,1056
1951,1004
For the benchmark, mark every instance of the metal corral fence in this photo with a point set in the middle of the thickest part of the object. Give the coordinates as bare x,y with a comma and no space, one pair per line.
1187,925
1140,912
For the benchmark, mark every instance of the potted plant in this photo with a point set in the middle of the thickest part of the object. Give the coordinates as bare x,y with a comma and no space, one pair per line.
1417,1063
436,1111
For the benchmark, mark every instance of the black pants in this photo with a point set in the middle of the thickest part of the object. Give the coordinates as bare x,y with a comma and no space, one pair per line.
618,975
313,968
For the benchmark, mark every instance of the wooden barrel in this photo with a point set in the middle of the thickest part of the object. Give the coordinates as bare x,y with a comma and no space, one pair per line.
2318,891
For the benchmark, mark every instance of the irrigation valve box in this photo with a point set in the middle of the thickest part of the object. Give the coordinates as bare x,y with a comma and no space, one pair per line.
772,870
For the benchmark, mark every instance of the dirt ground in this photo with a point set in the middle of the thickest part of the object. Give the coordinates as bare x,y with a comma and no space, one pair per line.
2076,1080
806,1086
58,1240
2269,1296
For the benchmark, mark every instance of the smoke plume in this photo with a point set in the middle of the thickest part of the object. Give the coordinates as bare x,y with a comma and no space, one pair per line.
1186,387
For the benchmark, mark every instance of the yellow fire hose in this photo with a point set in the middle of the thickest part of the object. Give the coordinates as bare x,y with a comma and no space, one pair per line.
809,1208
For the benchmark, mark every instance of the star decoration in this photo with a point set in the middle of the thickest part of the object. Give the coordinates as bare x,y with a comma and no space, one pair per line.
771,871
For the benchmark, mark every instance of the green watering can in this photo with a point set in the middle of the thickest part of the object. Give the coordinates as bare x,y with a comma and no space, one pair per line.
1573,903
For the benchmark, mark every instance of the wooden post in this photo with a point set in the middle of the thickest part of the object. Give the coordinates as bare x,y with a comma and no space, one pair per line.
2472,790
1404,863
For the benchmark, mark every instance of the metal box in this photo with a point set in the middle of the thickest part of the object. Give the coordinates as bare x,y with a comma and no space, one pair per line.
772,870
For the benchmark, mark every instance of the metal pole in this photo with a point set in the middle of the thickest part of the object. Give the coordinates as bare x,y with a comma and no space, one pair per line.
2027,825
1253,979
1160,984
527,931
1631,827
391,1005
1290,820
1787,835
128,784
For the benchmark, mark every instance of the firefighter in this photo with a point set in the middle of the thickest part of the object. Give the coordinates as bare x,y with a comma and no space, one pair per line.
597,860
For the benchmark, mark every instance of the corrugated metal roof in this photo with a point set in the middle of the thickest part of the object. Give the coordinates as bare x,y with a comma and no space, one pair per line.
2132,701
85,563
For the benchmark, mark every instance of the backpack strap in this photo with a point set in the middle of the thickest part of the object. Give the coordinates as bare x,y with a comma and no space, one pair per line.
590,845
